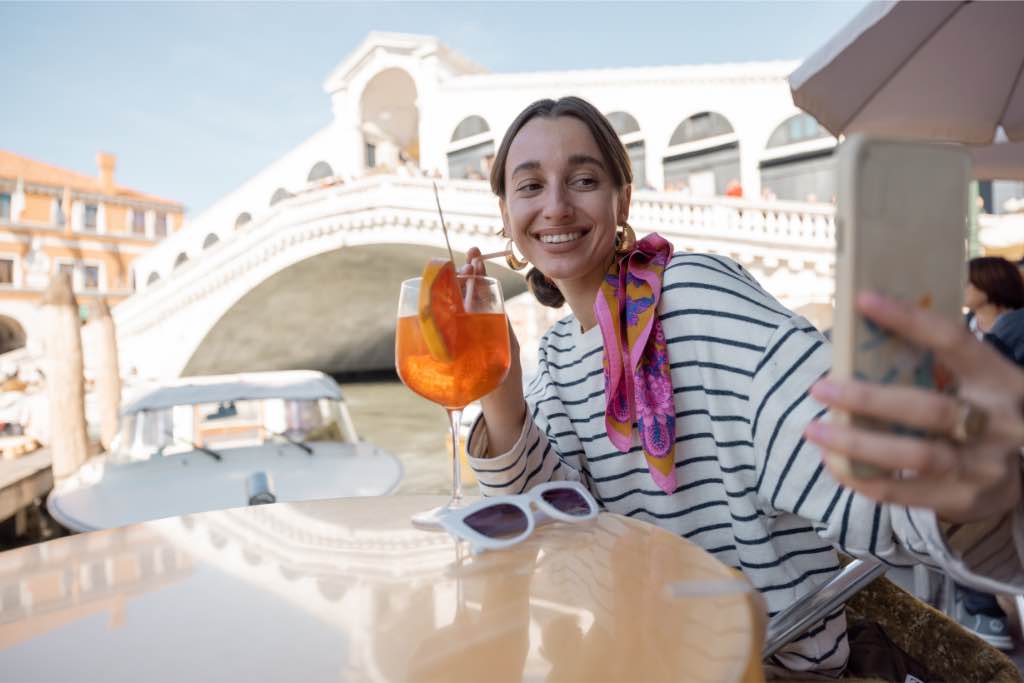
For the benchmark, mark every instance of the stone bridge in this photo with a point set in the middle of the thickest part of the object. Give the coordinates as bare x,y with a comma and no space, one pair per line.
313,282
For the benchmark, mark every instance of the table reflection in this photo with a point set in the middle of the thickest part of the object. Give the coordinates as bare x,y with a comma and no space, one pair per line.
585,601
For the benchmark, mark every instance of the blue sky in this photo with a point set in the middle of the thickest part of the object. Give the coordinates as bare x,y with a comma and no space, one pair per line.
194,98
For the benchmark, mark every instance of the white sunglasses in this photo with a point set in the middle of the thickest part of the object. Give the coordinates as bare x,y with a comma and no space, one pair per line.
503,521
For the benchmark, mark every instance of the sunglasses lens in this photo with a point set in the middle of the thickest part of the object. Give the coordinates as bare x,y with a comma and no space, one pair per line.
498,521
568,501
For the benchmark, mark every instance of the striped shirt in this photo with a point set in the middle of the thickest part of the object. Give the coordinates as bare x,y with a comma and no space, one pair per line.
751,491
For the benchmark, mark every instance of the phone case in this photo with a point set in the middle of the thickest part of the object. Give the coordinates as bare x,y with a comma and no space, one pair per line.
901,229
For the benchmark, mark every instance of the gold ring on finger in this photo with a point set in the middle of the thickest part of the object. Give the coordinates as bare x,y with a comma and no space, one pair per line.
971,422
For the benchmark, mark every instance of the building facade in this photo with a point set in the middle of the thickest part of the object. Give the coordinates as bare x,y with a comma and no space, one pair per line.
724,163
56,220
409,105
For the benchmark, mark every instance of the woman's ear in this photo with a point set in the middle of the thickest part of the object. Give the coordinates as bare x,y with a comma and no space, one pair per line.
506,230
625,195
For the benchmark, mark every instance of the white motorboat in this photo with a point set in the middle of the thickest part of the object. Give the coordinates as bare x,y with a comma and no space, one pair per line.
216,442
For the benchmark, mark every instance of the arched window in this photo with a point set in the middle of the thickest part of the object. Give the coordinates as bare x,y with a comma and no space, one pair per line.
707,124
210,240
153,277
280,194
703,156
628,130
181,258
470,126
471,150
797,129
320,170
12,334
798,163
242,219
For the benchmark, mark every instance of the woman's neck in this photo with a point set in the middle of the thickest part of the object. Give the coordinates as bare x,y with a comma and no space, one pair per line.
987,316
580,294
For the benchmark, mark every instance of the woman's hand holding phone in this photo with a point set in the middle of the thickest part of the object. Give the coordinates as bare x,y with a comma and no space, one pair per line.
963,480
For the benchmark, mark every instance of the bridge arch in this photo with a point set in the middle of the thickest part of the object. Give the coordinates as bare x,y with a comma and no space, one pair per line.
390,119
334,311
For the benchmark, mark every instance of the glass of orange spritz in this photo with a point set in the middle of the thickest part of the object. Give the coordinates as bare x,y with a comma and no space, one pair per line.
451,347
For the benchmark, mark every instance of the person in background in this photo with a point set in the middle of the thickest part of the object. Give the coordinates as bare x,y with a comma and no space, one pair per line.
681,393
994,297
994,287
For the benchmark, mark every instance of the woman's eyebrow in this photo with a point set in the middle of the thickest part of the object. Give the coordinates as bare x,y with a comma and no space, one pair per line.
526,166
581,159
574,160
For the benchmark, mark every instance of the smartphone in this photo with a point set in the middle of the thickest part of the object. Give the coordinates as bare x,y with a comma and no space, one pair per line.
901,230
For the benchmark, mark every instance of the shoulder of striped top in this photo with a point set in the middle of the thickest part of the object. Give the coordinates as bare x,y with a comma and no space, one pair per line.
719,282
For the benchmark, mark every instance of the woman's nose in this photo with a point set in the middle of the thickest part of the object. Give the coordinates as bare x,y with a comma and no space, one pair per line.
558,204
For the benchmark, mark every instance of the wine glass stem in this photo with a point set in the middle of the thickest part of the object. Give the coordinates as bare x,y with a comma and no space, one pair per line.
455,418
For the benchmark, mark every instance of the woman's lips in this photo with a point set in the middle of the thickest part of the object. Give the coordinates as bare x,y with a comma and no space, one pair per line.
559,237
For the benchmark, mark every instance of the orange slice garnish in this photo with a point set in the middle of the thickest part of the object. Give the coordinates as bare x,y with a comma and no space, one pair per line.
440,302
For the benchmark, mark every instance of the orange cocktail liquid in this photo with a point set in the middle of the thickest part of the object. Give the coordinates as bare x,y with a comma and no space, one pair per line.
479,362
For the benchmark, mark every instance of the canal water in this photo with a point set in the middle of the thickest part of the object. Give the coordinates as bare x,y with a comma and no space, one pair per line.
390,416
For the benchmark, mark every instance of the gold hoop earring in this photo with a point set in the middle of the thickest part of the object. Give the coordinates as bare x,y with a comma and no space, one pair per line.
512,260
626,240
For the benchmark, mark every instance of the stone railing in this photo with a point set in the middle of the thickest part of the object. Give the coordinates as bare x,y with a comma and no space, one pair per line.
470,207
396,209
776,223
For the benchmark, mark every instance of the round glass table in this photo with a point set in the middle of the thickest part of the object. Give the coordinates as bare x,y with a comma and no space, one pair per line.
348,590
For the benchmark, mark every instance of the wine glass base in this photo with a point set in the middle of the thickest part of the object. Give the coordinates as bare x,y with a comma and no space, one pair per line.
430,520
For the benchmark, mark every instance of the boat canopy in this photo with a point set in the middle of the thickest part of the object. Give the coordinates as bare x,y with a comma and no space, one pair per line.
290,385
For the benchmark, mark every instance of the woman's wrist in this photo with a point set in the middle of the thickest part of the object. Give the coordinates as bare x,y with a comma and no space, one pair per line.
504,411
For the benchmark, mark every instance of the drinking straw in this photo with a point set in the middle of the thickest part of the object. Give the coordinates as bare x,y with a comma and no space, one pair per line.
451,254
493,254
444,228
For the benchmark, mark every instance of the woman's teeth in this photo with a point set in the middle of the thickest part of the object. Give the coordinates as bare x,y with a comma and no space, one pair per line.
558,239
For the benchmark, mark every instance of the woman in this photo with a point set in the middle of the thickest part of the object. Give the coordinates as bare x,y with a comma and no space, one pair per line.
995,297
710,429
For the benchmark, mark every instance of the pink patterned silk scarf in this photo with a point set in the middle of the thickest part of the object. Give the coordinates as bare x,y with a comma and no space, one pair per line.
637,381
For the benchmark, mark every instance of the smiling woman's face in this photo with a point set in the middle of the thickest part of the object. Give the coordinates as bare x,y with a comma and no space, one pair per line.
561,206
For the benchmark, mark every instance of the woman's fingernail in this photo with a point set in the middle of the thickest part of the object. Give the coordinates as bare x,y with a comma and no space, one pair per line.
876,301
825,390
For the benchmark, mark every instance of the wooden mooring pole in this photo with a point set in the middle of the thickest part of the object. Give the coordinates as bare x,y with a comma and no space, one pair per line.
108,376
65,384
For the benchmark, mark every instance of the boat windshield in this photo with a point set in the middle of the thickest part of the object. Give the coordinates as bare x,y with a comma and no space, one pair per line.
230,424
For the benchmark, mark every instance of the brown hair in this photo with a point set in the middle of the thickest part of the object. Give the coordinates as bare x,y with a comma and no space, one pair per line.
999,279
616,159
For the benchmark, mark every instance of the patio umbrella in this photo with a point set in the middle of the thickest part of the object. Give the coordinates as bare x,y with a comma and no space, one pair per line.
951,71
1001,161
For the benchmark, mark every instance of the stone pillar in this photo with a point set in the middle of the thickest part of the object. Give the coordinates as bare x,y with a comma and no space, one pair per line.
65,384
108,375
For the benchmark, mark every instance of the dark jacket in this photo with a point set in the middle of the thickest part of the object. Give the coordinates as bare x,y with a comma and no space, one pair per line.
1007,335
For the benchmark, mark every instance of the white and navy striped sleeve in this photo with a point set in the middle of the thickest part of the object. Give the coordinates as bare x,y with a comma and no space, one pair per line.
791,478
535,457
